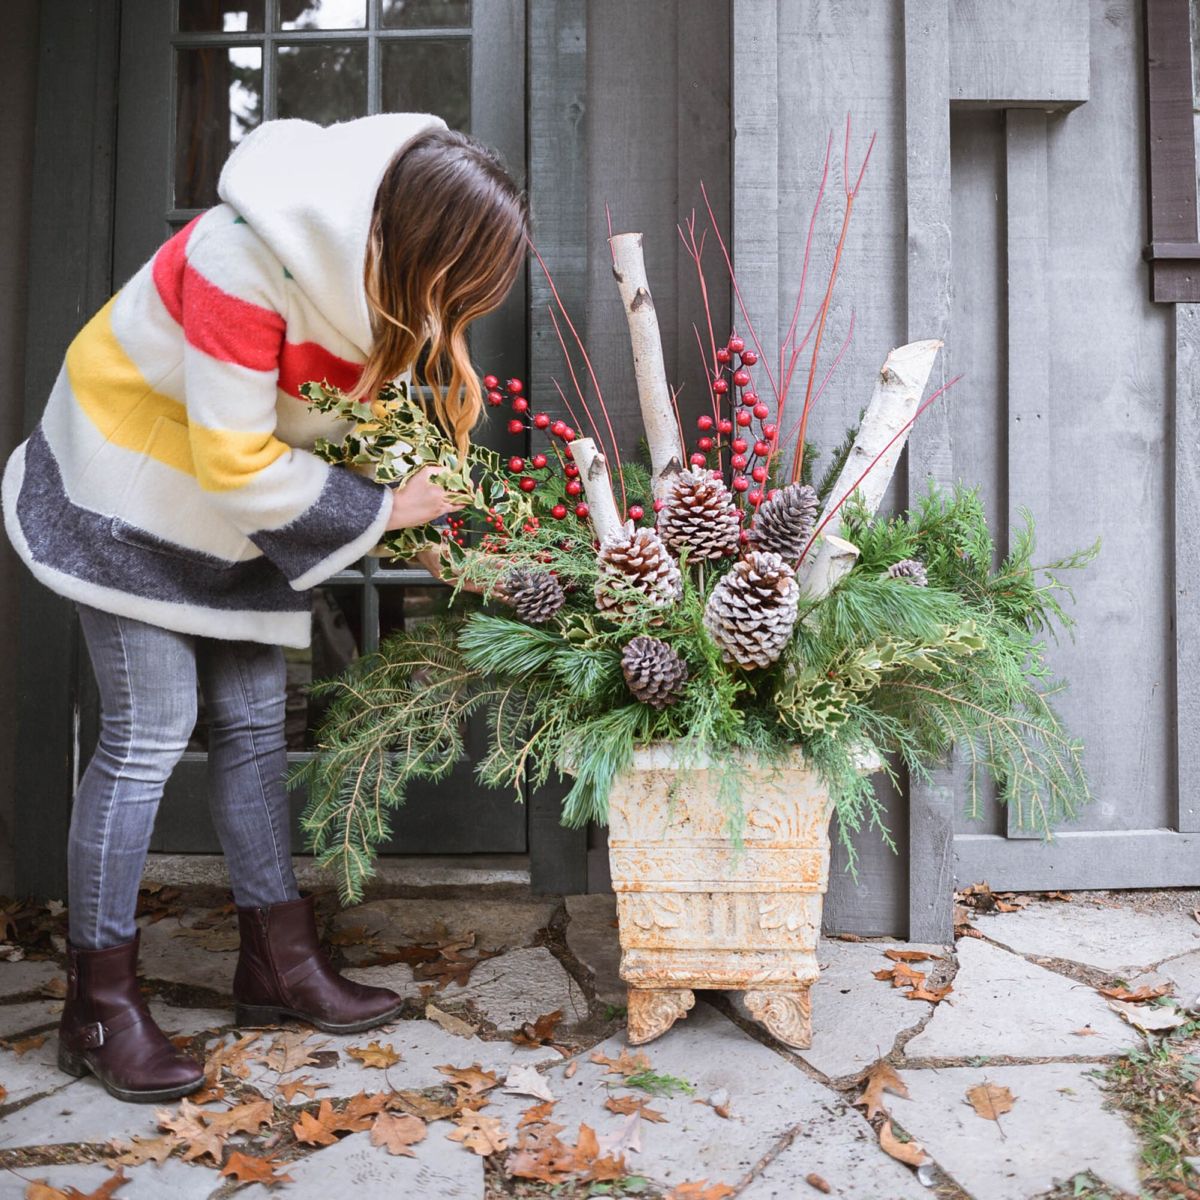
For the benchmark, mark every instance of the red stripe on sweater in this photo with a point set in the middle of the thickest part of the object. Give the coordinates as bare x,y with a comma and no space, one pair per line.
228,328
302,362
169,264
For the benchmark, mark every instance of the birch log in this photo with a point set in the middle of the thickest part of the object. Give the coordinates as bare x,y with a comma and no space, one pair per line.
654,395
895,401
597,487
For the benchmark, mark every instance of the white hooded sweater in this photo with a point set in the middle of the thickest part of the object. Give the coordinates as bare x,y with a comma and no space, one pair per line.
170,478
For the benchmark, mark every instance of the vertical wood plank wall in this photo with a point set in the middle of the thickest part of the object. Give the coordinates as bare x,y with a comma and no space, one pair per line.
1018,236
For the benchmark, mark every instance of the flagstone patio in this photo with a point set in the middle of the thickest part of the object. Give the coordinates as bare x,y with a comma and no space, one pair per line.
510,1075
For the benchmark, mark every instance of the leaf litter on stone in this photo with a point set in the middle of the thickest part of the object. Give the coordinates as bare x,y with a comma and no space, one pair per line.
398,1134
450,1023
290,1050
527,1081
480,1134
622,1105
990,1100
375,1055
246,1168
297,1087
910,1152
472,1079
702,1190
880,1078
39,1189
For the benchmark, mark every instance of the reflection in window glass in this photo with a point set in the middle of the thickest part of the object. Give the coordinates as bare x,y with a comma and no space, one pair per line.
221,16
322,83
218,101
407,607
323,14
426,14
428,75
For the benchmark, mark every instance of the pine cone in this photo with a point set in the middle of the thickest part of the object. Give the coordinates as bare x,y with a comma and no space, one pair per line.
911,570
699,516
535,595
653,670
633,561
752,611
784,523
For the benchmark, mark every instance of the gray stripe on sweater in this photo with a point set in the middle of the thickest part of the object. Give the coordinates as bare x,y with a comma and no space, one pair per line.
342,513
112,553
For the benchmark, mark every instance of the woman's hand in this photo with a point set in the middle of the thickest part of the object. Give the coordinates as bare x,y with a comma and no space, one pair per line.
420,501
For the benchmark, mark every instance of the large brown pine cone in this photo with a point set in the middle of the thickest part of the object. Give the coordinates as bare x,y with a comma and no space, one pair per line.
784,523
654,671
534,595
635,568
699,516
752,611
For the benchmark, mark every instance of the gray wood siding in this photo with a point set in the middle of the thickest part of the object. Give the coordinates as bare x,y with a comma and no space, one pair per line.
1028,260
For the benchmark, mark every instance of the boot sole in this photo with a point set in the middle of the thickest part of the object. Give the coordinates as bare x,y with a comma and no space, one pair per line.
258,1014
78,1066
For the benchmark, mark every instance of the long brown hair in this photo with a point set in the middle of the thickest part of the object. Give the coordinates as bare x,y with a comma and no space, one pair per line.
447,239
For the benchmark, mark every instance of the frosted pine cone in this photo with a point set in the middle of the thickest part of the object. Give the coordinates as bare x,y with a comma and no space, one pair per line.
784,523
911,570
635,567
699,516
752,611
535,595
654,672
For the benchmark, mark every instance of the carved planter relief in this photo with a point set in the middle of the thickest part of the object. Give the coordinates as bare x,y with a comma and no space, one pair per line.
697,911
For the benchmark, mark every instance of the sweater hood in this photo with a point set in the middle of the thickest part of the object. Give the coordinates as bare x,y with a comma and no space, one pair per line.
308,191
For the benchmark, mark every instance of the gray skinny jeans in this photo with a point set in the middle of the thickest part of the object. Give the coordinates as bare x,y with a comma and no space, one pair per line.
147,678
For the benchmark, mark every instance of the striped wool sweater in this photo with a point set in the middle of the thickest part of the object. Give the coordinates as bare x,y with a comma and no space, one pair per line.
170,478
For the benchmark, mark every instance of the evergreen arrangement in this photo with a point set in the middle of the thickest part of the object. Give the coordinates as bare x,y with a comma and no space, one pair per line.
705,602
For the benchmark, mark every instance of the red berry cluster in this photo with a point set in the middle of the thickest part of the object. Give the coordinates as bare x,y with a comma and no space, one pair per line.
737,410
527,470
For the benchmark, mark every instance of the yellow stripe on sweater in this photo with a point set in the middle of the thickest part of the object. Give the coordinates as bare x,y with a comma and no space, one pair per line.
116,398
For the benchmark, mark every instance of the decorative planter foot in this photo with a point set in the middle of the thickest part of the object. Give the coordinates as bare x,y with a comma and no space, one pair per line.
787,1015
652,1011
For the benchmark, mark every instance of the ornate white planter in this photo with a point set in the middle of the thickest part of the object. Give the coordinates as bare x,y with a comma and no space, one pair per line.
696,912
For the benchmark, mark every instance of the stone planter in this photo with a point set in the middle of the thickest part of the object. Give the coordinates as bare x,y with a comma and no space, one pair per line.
696,912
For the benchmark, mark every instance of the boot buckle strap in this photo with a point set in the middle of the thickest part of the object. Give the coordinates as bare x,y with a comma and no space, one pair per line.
302,970
92,1036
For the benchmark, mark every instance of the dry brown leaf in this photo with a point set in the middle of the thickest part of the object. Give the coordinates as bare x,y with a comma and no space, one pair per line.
451,967
397,1135
55,988
703,1190
210,939
298,1087
815,1181
480,1134
420,1105
39,1189
472,1079
25,1044
242,1118
1086,1031
319,1128
933,995
538,1114
139,1150
362,1106
375,1055
910,956
353,935
449,1022
912,1153
625,1064
847,937
245,1168
880,1078
537,1033
3,1093
190,1130
229,1056
1137,995
623,1105
990,1101
591,1163
1064,896
290,1050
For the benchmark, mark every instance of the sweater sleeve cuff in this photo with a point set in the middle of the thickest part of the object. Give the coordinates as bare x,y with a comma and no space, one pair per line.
347,519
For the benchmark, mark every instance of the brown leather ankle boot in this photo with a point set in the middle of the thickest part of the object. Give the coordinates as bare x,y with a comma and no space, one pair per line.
283,972
107,1029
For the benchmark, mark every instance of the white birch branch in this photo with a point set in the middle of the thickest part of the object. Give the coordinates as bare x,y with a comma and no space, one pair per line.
654,395
597,487
894,403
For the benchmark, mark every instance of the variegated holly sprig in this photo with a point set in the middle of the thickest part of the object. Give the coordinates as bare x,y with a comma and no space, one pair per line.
392,438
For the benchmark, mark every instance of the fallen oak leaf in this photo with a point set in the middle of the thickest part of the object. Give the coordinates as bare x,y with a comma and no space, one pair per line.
189,1129
912,1153
626,1063
1135,996
911,956
623,1105
472,1079
24,1045
1150,1018
591,1161
449,1022
990,1101
539,1114
229,1056
375,1055
526,1081
242,1118
419,1105
537,1033
398,1135
245,1168
289,1051
482,1135
139,1150
934,995
322,1127
703,1190
627,1137
880,1078
301,1086
39,1189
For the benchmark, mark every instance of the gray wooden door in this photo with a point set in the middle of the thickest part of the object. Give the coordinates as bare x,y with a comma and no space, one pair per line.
195,77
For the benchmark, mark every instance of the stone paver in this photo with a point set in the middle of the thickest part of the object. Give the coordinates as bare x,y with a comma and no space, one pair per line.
1111,938
17,1018
188,1021
423,1047
768,1098
26,976
1005,1006
404,922
81,1111
173,1179
1182,973
856,1018
30,1074
1057,1128
184,959
592,937
508,990
440,1170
